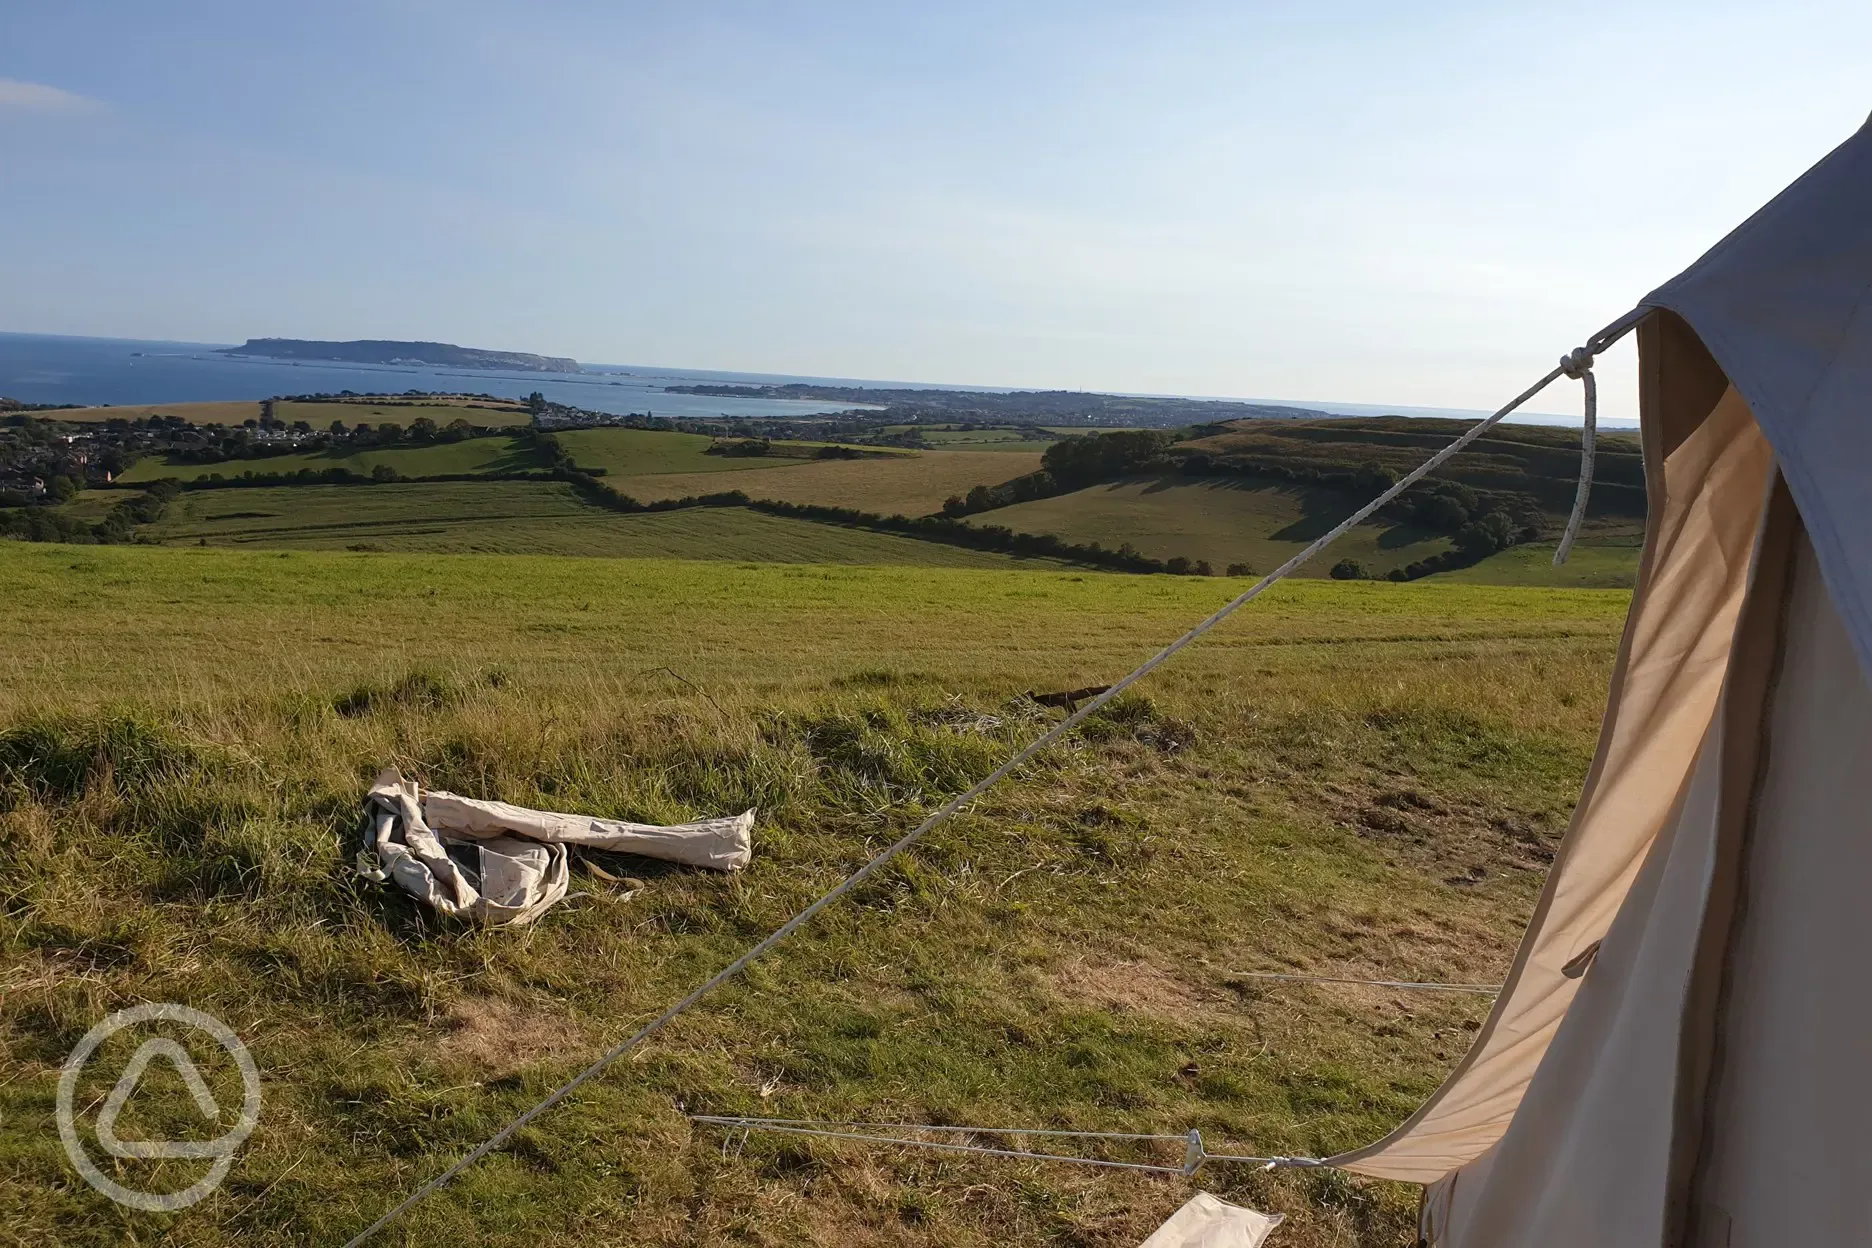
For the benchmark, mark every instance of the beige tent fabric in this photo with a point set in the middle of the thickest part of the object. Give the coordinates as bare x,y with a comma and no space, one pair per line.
1208,1222
1587,1156
509,864
1707,504
1786,1160
1772,1122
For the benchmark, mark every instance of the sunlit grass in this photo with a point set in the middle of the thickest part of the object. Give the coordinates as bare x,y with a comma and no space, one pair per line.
1361,778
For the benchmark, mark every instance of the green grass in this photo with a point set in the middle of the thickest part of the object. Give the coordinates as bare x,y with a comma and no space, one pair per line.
1360,778
637,452
1223,520
1609,563
495,454
94,504
911,485
515,517
1230,520
1004,439
441,410
228,413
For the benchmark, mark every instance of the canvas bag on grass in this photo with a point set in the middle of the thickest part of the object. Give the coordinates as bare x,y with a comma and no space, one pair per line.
1208,1222
504,865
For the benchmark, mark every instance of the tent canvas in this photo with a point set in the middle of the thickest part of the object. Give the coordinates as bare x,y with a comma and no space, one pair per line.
1672,1057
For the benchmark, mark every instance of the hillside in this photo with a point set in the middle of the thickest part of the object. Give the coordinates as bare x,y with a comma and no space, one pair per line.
1258,492
1355,779
390,351
1221,520
1540,462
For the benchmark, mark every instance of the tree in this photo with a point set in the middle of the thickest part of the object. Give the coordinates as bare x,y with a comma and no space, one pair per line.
422,429
953,506
384,472
338,429
1373,478
1482,538
980,499
1446,513
1177,565
1203,568
1348,570
1240,569
536,403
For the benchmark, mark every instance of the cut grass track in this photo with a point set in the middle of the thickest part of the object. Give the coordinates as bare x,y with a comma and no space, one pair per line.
516,517
911,485
1344,778
476,455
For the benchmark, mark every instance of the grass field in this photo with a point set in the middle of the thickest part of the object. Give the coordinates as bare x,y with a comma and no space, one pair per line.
515,517
911,485
636,452
1359,778
234,413
1595,563
1005,439
1231,520
441,410
1223,520
491,454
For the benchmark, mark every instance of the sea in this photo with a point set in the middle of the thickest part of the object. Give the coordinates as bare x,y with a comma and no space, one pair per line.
90,372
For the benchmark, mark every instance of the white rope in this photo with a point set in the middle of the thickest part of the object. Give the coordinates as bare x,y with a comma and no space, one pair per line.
1487,989
1578,364
1597,343
1194,1158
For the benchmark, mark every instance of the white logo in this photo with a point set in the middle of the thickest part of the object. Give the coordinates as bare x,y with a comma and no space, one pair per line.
221,1149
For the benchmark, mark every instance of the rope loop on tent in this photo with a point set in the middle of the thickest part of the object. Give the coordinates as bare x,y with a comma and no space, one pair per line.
1195,1155
1578,364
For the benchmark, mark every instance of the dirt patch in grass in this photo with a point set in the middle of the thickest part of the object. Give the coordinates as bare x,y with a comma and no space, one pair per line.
498,1037
1460,842
1133,987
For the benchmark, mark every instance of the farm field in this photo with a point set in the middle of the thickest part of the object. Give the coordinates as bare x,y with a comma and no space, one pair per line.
1595,562
1223,520
641,452
470,455
635,452
911,485
441,409
1344,778
1003,439
226,413
523,517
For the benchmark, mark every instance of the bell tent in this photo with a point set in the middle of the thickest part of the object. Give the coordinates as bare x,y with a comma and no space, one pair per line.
1678,1056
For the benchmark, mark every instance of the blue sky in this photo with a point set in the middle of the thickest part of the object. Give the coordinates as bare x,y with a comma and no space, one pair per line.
1371,202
